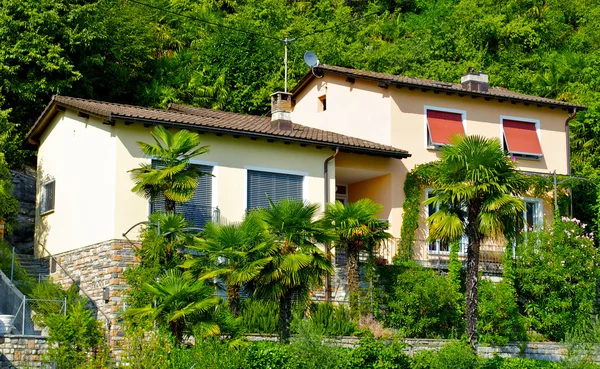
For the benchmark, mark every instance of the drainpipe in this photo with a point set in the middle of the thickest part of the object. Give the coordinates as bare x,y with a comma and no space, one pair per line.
326,177
571,116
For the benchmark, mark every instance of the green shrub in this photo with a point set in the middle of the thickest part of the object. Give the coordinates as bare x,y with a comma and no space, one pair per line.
334,320
20,276
555,277
267,355
259,316
455,355
424,359
309,350
424,304
517,363
499,319
375,354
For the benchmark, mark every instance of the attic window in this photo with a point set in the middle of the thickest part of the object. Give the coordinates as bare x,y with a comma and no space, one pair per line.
521,138
322,103
441,125
47,203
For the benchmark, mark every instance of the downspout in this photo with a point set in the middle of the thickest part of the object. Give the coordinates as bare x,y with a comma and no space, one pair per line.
571,116
326,178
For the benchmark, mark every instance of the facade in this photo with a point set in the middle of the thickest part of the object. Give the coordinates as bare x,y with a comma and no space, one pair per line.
420,116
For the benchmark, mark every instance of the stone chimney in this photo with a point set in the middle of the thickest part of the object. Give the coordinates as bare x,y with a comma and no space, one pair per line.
475,81
281,111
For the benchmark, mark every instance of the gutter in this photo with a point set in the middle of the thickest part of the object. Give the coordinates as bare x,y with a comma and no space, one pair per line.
571,116
327,249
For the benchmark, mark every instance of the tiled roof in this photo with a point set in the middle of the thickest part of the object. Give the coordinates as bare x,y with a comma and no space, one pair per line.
212,120
493,92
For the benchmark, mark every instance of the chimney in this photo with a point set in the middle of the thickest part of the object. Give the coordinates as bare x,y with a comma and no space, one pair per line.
475,81
281,111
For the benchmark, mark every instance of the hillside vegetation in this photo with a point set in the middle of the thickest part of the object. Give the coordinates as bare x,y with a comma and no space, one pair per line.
171,51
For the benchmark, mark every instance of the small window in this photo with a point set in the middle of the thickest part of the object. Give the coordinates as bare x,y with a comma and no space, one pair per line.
533,214
322,103
521,139
442,125
47,203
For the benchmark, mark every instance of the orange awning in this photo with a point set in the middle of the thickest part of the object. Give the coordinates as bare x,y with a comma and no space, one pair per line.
443,125
521,138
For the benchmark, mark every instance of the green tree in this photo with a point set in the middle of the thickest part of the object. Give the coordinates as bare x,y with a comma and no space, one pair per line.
359,230
182,305
237,252
475,189
298,264
8,204
173,176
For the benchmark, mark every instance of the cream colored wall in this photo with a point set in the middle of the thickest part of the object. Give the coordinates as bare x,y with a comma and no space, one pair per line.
79,154
378,189
231,157
359,109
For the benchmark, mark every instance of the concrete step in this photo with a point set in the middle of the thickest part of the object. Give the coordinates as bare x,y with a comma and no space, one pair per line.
33,266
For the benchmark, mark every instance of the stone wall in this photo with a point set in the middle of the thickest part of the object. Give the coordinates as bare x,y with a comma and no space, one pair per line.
24,191
96,268
22,351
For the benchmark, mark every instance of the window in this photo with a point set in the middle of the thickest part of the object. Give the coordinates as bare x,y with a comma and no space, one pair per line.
198,211
443,124
322,103
533,214
47,203
275,185
437,246
521,138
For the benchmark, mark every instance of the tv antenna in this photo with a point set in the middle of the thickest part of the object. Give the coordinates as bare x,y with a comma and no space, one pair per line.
286,41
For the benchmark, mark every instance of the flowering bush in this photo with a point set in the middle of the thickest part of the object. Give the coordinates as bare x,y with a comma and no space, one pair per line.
556,271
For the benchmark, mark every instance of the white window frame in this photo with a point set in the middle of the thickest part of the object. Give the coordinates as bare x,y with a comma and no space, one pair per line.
44,194
427,108
538,217
524,120
463,243
304,176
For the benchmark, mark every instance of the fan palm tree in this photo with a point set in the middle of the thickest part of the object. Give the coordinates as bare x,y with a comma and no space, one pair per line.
297,265
237,252
174,178
359,229
181,304
162,239
475,188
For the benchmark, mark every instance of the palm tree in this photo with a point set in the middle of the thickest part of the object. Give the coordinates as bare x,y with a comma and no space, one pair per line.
475,190
183,305
237,252
297,265
162,239
174,177
358,229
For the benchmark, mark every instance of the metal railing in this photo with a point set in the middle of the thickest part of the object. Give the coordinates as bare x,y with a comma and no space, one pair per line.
26,312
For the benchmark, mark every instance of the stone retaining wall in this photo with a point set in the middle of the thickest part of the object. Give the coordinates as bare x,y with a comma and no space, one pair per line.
22,351
96,268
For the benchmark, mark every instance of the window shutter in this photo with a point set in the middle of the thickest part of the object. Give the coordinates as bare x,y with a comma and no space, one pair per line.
48,196
276,185
198,211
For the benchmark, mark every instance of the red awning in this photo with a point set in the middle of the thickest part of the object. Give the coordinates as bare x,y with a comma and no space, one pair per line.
521,138
443,125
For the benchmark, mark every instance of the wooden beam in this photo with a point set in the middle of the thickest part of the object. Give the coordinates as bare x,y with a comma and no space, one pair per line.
59,108
350,79
83,115
383,84
109,122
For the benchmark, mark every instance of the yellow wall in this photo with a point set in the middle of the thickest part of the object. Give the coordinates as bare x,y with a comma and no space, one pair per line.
378,189
80,155
396,116
94,202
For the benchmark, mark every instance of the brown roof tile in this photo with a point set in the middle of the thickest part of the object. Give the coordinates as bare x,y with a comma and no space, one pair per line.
494,92
212,120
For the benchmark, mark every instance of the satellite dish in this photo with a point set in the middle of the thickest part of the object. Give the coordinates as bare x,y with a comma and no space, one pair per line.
311,59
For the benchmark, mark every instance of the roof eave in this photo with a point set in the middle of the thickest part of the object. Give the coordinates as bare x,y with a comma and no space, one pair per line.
308,77
342,147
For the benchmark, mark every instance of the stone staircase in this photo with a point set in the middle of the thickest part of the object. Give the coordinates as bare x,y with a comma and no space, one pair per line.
37,269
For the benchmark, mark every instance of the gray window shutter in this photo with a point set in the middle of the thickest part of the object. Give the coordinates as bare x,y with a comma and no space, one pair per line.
198,211
276,185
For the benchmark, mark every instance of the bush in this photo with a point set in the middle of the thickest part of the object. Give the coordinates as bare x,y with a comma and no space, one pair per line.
425,304
310,351
455,355
424,359
260,316
517,363
267,355
375,354
334,320
499,318
555,277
